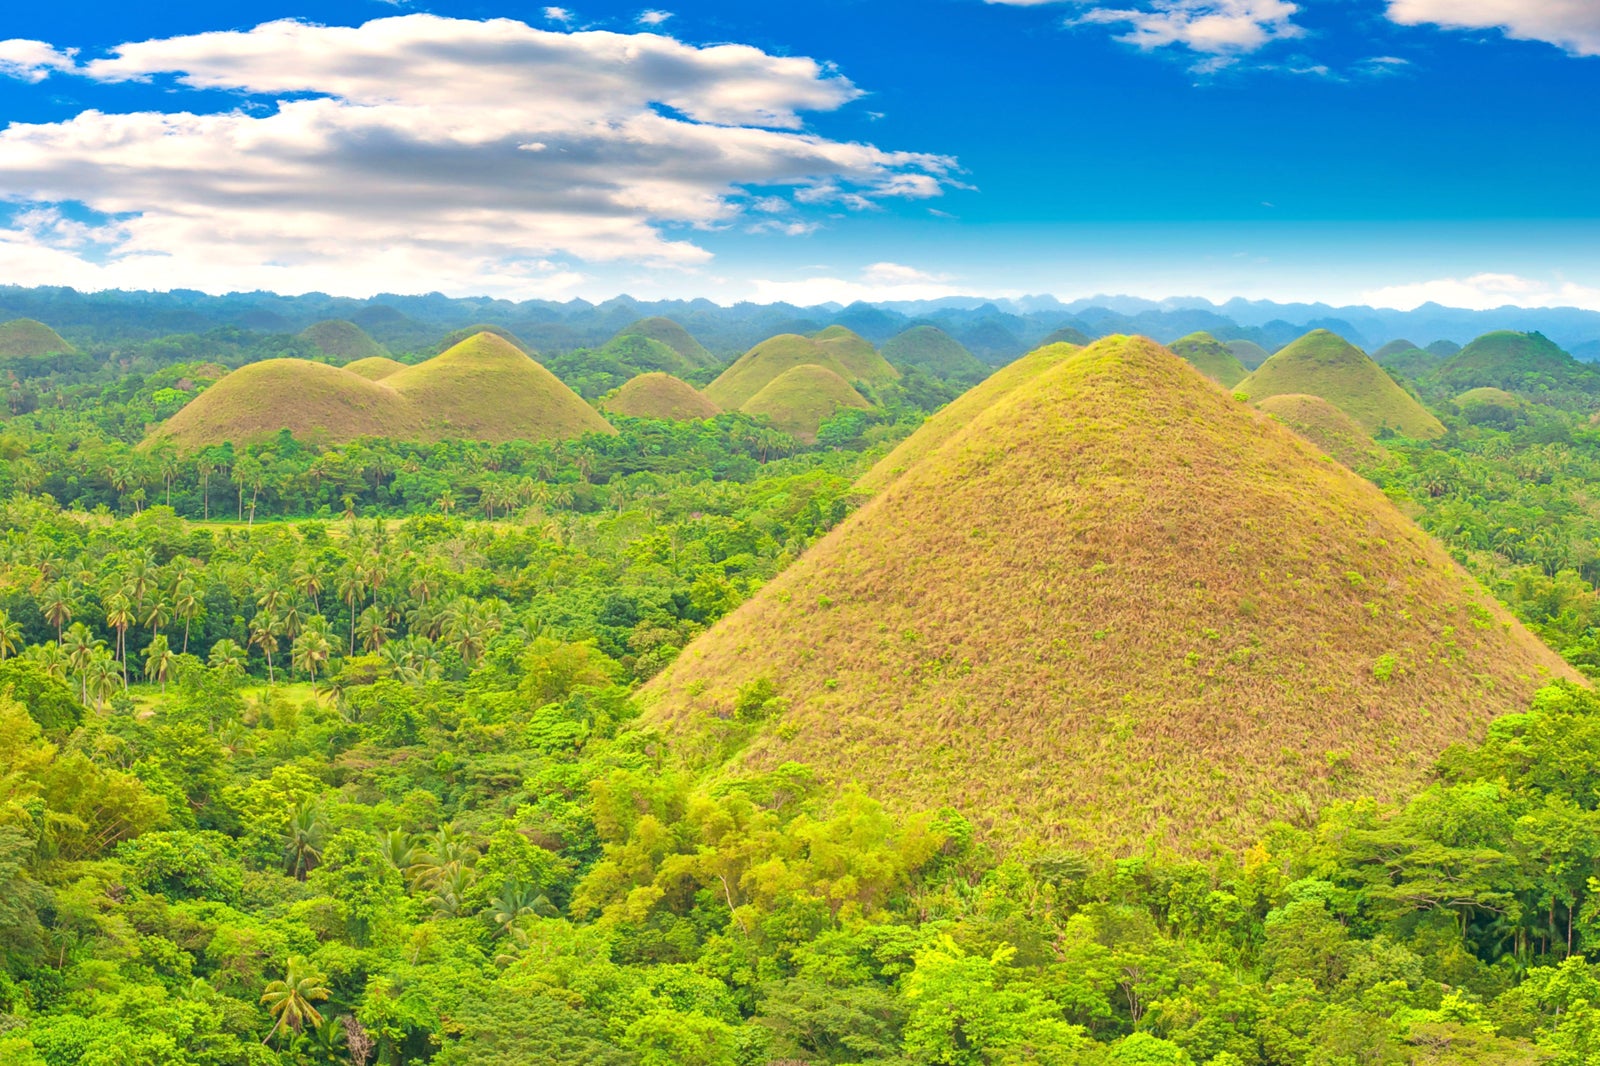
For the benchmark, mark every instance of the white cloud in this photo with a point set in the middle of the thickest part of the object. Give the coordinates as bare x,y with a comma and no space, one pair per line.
654,18
1570,24
880,281
33,60
1486,292
558,14
1218,29
417,153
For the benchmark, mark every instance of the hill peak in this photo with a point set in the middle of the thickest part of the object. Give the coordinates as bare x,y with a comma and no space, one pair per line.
660,395
25,337
1324,364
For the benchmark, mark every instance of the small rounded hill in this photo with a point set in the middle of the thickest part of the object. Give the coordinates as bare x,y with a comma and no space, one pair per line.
342,340
1249,353
799,400
934,352
666,331
981,634
763,364
1516,362
1324,425
375,368
1211,357
660,396
1324,364
22,337
481,389
856,354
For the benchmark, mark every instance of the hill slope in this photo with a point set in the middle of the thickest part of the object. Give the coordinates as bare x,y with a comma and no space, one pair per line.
1325,364
1517,362
375,368
1211,357
1249,353
662,396
933,351
856,354
761,365
1324,425
1118,605
484,388
799,400
673,336
344,340
25,337
314,401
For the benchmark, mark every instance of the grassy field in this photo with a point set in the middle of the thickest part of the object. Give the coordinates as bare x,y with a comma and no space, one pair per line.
659,395
799,400
932,350
1324,425
24,336
1325,364
1211,357
343,340
856,354
675,337
1116,606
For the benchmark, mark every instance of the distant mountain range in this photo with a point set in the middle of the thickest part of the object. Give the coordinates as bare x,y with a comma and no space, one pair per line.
996,330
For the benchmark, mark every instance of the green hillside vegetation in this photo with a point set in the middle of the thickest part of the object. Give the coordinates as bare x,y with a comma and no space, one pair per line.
1495,407
375,368
343,340
674,336
979,634
933,351
1443,349
856,354
457,336
959,413
481,389
1325,364
1211,357
799,400
661,396
1395,347
26,337
761,365
1515,362
1249,353
1324,425
643,354
1067,335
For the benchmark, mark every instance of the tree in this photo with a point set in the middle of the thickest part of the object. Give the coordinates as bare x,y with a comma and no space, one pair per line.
186,606
289,1000
10,636
264,630
309,651
159,661
303,847
57,607
79,645
371,629
101,677
119,616
227,655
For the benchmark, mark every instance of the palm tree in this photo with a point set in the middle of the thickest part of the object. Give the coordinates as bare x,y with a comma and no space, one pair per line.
10,636
264,630
159,661
205,468
289,1000
226,655
141,579
157,615
400,848
187,606
303,847
119,616
352,586
307,582
57,607
310,650
101,677
79,646
514,902
372,630
50,658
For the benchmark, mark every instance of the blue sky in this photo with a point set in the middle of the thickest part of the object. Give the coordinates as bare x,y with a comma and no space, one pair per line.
1338,150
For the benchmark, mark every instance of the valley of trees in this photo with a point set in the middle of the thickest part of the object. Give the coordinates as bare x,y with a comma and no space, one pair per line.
326,755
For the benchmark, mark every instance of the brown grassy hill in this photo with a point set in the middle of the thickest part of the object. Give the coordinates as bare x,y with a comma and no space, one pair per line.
375,368
312,400
24,337
455,337
1118,606
484,388
1324,425
1325,364
857,355
344,340
1211,357
799,400
761,365
954,416
663,396
673,336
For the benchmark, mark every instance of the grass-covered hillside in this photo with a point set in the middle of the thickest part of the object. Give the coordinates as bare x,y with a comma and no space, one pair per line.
1324,425
375,367
658,395
1516,362
861,361
1211,357
933,351
1249,353
981,634
481,389
342,340
764,363
26,337
798,401
674,336
1326,365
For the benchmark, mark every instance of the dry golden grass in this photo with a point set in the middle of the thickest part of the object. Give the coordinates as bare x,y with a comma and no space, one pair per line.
1117,606
1324,425
798,401
375,368
1325,364
658,395
762,365
1211,357
856,354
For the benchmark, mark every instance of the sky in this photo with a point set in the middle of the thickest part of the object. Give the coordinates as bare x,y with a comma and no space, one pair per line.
1388,152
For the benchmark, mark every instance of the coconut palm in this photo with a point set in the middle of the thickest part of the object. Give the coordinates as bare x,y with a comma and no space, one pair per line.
187,607
119,616
10,636
309,651
399,848
226,655
371,629
101,677
264,631
302,850
289,1000
56,606
159,661
79,645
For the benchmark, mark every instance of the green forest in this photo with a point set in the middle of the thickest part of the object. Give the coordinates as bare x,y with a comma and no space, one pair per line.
327,753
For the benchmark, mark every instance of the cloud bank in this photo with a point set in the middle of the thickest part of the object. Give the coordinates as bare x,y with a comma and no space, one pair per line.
1570,24
1485,292
418,153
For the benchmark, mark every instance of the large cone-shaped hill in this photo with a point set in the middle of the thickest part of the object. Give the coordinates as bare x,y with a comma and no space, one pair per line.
761,365
856,354
1249,353
1324,425
1211,357
1515,361
481,389
798,401
25,337
662,396
1117,605
933,351
1325,364
674,336
342,340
